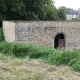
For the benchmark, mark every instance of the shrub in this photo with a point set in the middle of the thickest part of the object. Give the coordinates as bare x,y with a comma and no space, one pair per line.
50,55
19,49
72,62
1,35
5,47
22,50
76,66
59,57
33,52
54,58
39,52
67,56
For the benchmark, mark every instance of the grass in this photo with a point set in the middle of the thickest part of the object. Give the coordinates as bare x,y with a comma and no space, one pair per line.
49,55
12,68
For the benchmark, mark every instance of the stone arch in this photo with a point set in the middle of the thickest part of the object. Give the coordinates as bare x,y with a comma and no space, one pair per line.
59,40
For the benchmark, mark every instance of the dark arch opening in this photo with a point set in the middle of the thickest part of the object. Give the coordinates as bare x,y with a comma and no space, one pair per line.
59,41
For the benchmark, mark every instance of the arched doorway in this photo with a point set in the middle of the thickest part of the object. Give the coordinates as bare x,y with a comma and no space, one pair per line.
59,41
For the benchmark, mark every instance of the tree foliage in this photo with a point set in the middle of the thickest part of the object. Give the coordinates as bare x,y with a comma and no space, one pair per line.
65,8
28,10
62,14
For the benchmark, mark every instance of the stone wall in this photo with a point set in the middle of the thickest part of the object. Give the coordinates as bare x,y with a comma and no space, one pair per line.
42,32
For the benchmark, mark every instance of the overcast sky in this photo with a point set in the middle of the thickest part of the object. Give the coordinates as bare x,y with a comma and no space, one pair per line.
75,4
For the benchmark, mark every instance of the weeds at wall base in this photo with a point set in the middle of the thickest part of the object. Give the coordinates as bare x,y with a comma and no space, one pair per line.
49,55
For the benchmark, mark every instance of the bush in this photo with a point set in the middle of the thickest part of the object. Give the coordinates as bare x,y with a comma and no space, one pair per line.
33,52
17,49
5,47
76,19
50,55
59,57
72,62
76,66
67,56
54,58
20,50
1,35
39,52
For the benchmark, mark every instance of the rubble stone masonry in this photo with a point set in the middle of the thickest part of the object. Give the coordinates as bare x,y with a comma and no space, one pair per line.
42,32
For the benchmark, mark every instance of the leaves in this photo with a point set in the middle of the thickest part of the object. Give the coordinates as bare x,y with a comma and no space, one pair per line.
29,10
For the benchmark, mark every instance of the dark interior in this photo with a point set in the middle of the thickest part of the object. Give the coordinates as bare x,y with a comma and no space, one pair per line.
57,38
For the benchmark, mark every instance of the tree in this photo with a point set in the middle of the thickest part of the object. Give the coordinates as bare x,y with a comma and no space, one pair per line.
15,9
62,14
2,10
35,9
41,9
52,14
28,10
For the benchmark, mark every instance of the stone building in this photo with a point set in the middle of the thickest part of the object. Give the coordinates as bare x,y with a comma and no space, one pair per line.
56,34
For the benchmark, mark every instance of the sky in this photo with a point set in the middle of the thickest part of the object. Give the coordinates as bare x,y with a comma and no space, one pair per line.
74,4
